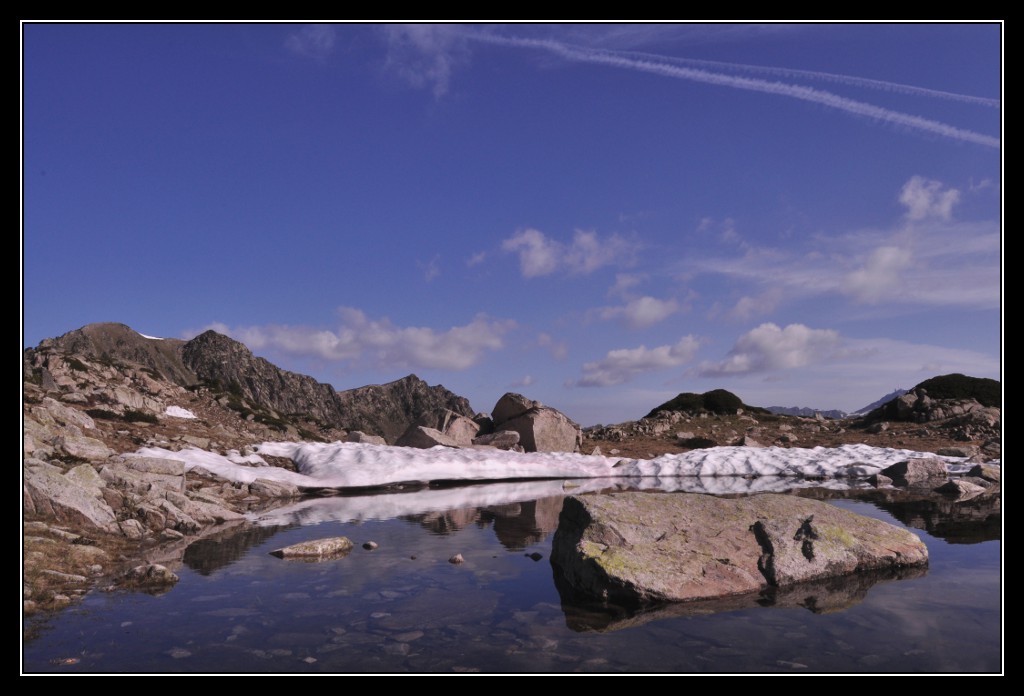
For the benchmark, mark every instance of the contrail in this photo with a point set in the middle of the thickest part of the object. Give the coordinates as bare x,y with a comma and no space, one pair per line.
808,94
848,80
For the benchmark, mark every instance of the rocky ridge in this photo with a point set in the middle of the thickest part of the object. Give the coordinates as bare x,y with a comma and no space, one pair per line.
93,397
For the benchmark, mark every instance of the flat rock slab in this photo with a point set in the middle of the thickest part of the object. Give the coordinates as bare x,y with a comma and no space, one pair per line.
331,547
683,547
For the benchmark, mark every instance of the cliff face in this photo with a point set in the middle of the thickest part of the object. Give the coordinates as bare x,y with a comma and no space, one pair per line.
389,409
228,364
247,383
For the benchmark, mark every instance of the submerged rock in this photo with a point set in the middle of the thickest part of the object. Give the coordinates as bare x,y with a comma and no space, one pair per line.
331,547
681,547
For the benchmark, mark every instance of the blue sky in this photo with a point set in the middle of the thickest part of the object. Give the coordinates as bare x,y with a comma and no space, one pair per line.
598,216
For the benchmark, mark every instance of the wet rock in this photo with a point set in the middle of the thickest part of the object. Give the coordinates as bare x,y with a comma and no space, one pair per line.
149,575
370,545
273,489
457,559
681,547
960,489
989,472
917,471
332,547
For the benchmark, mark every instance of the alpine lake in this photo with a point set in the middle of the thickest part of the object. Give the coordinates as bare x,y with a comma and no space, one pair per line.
402,607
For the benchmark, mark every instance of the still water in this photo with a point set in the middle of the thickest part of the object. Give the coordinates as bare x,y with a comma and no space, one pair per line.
403,607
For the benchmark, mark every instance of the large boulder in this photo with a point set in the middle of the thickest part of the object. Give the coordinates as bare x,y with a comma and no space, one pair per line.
424,438
459,428
541,428
682,547
52,495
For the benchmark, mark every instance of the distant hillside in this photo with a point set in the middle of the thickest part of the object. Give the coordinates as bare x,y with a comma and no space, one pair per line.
942,389
806,412
715,401
875,404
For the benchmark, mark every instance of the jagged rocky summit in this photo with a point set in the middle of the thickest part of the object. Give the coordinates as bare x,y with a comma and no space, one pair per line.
246,383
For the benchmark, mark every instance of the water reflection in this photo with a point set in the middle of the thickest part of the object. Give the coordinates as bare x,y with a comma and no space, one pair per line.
403,607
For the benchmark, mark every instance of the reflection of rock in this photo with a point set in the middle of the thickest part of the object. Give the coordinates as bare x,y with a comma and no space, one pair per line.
331,547
955,521
530,522
823,596
447,521
682,547
223,546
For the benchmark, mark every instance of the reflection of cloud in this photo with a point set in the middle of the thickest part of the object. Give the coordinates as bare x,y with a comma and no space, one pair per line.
621,365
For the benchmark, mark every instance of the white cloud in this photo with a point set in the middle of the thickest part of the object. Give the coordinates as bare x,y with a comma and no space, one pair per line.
957,265
425,55
524,382
619,366
770,348
880,277
558,349
623,282
476,258
379,342
431,269
312,41
748,307
642,312
926,198
540,255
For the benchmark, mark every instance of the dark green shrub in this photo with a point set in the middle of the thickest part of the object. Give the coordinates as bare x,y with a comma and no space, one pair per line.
957,386
140,417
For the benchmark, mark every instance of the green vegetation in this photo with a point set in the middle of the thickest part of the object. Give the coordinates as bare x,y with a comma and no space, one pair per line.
76,364
140,417
987,392
103,414
715,401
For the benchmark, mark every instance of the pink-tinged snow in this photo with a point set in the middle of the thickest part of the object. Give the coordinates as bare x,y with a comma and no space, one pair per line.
713,470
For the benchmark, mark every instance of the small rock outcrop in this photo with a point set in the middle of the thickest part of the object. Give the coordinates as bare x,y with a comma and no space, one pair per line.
640,547
331,547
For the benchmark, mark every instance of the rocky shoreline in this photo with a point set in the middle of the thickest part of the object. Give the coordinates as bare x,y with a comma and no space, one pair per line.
96,514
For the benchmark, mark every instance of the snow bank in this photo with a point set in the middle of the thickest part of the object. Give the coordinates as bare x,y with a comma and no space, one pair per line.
179,412
713,470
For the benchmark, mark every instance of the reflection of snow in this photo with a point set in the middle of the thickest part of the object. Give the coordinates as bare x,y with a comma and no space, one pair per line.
179,412
713,470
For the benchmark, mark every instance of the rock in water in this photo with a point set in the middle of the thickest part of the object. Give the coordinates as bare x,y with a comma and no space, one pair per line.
680,547
332,547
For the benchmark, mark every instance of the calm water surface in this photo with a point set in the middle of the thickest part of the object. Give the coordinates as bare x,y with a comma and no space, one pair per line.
404,608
